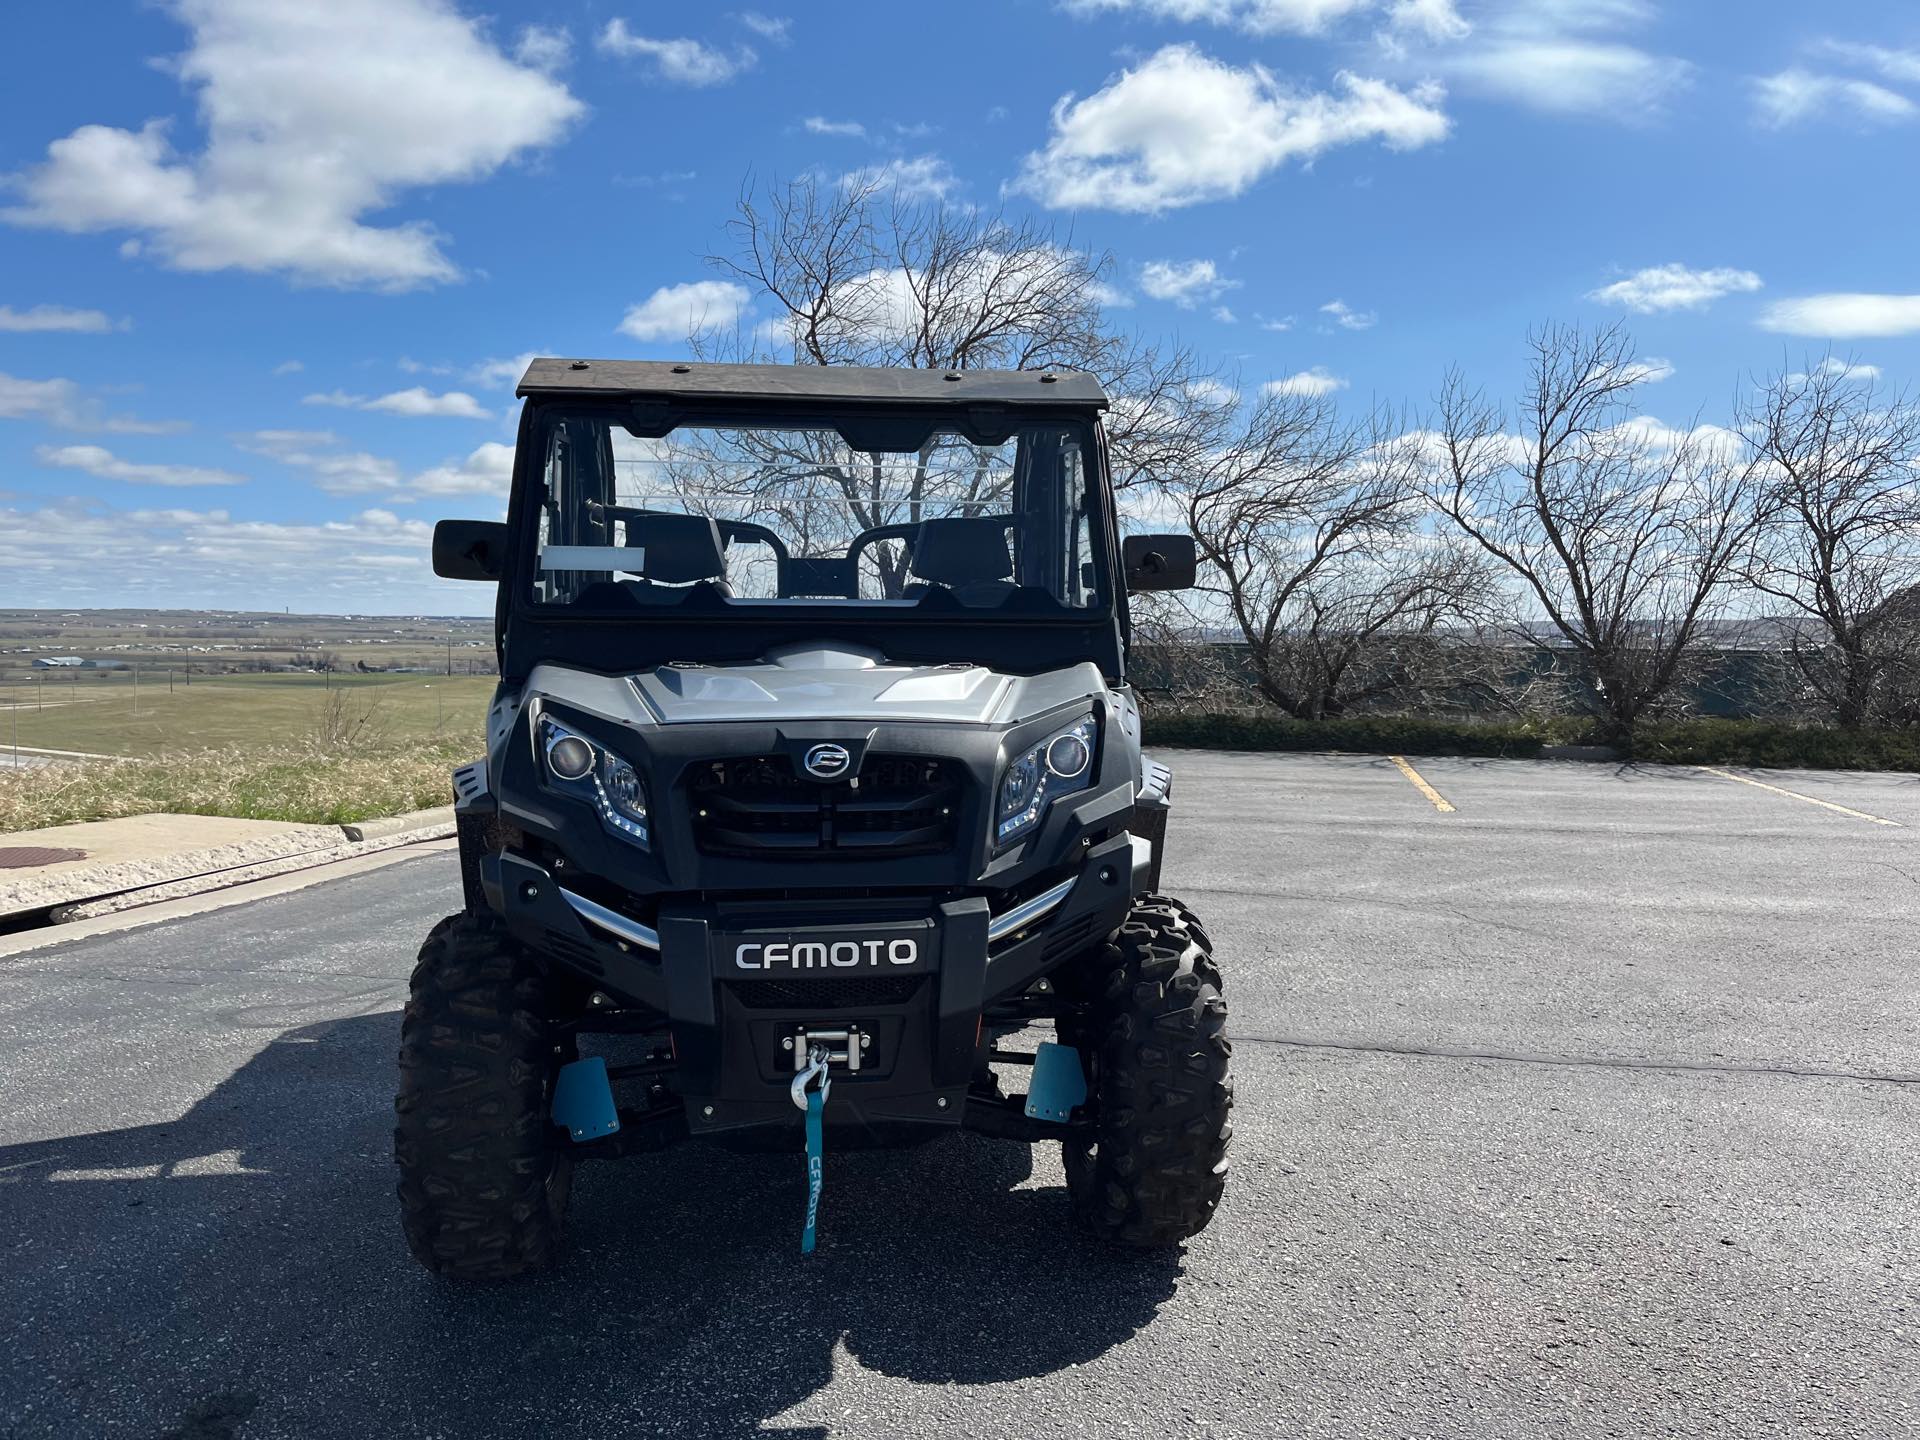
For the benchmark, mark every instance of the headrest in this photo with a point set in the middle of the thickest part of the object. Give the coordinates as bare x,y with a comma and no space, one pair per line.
680,548
962,550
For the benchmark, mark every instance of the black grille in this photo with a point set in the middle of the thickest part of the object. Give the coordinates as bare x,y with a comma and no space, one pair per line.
832,994
756,805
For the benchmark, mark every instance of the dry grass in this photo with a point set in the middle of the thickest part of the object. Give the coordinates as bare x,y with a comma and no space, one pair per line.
249,782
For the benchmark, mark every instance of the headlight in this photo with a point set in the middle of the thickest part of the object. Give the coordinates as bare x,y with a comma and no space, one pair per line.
579,767
1059,765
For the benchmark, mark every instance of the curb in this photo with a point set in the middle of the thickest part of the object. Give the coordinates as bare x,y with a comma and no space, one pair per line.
365,830
240,875
1581,752
94,881
105,889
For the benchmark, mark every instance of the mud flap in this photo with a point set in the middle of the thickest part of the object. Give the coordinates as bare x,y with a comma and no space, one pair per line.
583,1100
1059,1083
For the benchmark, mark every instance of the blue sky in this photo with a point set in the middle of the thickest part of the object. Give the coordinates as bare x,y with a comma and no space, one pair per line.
266,266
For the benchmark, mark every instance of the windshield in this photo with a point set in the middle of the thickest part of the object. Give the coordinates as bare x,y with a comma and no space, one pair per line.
743,513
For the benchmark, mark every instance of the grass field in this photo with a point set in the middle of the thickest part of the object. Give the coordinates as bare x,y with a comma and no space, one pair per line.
98,712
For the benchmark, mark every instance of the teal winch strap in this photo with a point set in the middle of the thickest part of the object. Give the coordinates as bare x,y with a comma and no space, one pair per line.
816,1102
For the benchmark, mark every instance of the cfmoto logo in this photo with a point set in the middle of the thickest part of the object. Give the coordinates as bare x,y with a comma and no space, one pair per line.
822,954
827,762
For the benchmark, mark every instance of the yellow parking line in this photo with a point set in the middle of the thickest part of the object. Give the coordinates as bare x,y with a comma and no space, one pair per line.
1796,795
1440,802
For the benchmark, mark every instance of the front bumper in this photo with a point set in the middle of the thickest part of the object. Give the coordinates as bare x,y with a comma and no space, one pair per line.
728,1027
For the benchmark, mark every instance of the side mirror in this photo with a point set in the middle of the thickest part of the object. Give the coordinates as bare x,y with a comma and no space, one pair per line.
1158,562
469,549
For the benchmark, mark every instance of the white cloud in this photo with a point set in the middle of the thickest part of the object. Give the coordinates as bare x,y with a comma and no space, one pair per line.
56,401
416,402
275,442
820,125
487,470
1900,66
1314,384
504,374
885,305
1185,283
310,127
680,61
1182,128
1848,369
62,403
1255,17
335,471
1845,316
1657,437
1348,318
673,312
1833,367
420,402
1798,95
98,461
777,30
546,48
1224,314
1615,81
1650,370
1566,57
289,367
75,552
1212,392
1278,324
924,177
42,319
1660,288
1437,21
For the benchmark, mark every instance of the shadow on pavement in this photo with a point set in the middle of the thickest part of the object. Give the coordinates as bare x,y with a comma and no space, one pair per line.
239,1271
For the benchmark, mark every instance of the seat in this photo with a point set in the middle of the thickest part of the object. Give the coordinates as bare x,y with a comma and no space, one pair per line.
680,550
966,554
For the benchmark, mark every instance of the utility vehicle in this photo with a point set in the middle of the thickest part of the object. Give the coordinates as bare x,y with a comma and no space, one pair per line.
813,776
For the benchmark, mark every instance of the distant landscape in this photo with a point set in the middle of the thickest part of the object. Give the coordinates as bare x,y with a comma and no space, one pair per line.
268,716
218,642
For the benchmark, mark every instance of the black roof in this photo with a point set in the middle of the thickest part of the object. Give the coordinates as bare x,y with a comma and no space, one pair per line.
697,380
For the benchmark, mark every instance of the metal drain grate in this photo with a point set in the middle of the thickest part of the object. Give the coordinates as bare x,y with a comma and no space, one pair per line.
27,857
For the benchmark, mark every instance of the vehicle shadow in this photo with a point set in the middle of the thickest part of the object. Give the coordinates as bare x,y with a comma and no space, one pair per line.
245,1260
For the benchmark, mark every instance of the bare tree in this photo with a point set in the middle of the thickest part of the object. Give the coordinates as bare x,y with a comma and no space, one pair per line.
1624,535
864,276
1316,546
1841,545
1173,656
860,275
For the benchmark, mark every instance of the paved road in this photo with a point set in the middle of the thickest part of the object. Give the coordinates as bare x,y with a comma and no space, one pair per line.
1587,1109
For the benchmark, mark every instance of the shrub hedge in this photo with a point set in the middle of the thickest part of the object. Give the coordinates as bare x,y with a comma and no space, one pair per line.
1369,734
1768,743
1759,743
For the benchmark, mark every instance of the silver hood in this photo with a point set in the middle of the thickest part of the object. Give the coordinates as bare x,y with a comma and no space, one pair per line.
823,682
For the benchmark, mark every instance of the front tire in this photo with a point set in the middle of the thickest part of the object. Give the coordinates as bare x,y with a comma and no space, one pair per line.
1153,1037
484,1181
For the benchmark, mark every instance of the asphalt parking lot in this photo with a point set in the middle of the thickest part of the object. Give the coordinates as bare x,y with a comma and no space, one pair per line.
1574,1100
